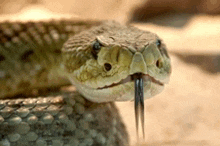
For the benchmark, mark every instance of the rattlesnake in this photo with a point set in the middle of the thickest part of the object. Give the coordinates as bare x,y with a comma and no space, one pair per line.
100,58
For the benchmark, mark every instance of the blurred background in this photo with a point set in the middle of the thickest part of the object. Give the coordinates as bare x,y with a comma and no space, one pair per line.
187,113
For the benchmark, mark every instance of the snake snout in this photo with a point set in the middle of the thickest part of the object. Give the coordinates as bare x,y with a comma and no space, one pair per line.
138,64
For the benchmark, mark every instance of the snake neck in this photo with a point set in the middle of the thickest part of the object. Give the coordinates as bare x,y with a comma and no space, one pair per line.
30,53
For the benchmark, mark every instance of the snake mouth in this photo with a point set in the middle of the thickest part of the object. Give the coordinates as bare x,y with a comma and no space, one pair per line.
130,78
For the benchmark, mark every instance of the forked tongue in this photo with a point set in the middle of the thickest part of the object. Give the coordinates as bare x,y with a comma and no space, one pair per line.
139,102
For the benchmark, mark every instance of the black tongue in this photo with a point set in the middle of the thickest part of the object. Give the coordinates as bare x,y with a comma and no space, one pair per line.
139,102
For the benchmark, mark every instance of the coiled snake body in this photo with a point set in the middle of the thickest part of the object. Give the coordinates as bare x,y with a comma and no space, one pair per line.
100,58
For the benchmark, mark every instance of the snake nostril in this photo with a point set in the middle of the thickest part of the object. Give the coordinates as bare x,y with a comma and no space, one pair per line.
26,56
107,66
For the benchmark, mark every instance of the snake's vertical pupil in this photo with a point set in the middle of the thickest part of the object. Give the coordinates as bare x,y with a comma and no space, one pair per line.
158,43
96,47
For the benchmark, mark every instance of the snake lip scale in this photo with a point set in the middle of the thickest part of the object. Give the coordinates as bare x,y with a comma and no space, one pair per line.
153,79
131,78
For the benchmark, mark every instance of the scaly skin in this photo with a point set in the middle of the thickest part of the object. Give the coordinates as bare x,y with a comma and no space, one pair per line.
60,119
31,51
100,62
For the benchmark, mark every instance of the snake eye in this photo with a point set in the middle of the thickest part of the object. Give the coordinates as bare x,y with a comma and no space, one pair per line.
158,43
96,47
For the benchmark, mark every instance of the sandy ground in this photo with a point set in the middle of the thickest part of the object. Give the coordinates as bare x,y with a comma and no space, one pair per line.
187,112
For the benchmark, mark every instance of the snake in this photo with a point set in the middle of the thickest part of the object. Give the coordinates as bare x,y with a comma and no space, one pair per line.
105,61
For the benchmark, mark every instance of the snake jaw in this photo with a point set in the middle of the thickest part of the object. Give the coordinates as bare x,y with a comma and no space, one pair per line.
138,79
123,81
131,78
146,76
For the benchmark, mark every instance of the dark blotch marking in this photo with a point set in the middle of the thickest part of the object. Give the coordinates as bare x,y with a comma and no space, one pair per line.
2,58
6,129
26,56
67,133
57,51
24,84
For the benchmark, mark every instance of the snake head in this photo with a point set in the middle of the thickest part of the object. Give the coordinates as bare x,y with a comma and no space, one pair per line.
101,62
